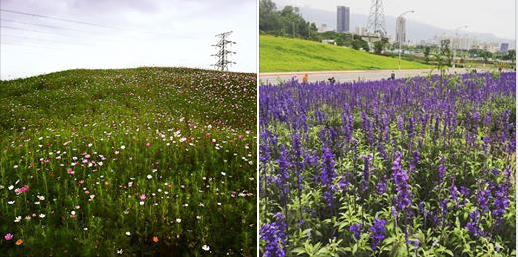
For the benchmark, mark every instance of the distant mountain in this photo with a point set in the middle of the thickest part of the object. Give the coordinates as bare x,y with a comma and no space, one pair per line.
416,31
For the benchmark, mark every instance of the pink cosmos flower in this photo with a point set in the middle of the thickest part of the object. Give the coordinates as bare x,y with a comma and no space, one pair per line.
143,197
21,189
8,236
70,171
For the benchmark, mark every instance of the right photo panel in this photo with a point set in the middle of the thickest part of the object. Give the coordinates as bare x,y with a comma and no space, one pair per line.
387,128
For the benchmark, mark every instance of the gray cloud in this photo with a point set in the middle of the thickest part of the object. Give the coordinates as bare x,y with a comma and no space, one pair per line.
155,33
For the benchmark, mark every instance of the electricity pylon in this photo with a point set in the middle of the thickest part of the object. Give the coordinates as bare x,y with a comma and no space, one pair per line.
223,52
376,23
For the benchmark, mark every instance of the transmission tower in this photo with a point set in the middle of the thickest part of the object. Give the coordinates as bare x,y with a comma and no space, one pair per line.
222,52
376,22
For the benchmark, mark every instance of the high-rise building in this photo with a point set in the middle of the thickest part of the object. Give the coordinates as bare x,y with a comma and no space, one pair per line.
342,19
401,30
323,27
504,47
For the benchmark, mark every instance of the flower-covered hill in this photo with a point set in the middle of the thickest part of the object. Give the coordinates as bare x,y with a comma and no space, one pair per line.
69,96
147,161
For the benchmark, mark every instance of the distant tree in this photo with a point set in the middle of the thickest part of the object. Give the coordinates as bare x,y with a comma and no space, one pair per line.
445,50
511,55
269,19
379,46
356,44
441,65
486,55
426,53
364,45
340,41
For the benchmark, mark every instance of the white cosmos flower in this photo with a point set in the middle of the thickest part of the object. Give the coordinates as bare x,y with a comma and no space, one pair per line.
123,147
128,233
178,220
205,247
17,219
149,177
42,215
10,187
11,202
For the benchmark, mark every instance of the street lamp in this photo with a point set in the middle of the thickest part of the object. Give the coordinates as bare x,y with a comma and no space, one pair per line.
453,43
399,39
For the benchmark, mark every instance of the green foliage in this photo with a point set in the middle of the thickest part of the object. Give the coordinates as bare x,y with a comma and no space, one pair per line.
285,22
379,46
426,53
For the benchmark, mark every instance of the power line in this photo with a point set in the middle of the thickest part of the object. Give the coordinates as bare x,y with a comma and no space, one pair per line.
57,34
89,23
48,40
47,26
59,19
25,45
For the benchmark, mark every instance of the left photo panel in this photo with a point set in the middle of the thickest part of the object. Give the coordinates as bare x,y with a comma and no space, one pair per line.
128,128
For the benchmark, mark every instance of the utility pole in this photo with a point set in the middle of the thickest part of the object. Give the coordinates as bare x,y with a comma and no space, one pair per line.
222,52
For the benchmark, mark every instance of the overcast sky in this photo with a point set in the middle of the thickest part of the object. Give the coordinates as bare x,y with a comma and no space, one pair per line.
133,33
486,16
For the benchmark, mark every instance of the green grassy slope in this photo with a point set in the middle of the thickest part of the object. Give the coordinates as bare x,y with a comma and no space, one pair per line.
285,54
147,162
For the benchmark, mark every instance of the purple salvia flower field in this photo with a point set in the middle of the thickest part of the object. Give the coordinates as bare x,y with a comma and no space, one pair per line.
418,166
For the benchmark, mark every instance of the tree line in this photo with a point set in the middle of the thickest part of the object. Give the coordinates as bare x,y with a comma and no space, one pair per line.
288,22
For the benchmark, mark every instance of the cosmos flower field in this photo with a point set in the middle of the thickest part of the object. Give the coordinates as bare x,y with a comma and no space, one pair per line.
137,162
415,167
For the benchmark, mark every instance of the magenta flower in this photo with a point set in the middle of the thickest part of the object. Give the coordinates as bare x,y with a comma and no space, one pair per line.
8,236
21,189
70,171
143,197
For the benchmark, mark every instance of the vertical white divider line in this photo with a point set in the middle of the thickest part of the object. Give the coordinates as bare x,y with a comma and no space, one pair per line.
257,120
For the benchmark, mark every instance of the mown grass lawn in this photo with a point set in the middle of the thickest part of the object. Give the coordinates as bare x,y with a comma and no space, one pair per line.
285,54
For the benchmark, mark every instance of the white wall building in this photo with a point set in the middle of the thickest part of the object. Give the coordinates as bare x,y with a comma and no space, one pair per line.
401,30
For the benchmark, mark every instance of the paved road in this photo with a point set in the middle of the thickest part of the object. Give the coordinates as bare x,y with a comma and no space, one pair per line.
348,76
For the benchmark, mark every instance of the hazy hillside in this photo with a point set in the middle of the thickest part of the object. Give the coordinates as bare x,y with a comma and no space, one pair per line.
416,31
